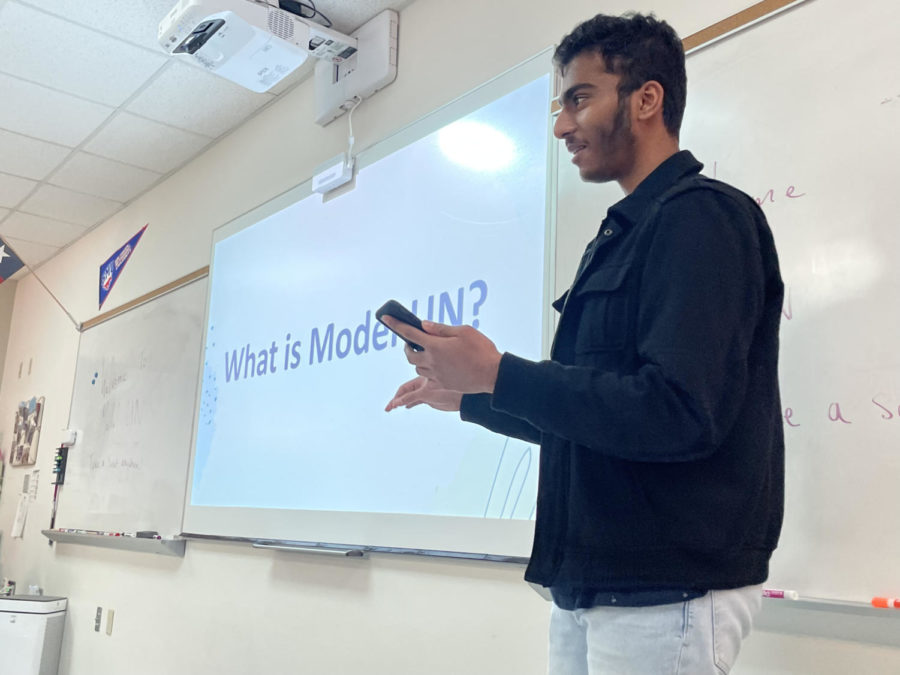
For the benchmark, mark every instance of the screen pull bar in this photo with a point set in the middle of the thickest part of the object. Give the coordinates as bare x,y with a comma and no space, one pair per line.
342,552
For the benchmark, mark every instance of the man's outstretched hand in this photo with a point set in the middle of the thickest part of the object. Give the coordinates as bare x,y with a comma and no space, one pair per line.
422,390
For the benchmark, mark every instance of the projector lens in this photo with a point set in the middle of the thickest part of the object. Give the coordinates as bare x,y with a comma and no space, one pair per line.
199,37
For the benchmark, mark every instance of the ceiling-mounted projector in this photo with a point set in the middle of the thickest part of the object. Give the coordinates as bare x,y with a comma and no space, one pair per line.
251,43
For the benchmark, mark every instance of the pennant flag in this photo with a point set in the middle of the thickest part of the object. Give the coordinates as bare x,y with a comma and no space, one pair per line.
9,261
112,268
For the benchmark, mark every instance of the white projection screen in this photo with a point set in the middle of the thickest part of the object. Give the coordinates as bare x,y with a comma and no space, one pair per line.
451,217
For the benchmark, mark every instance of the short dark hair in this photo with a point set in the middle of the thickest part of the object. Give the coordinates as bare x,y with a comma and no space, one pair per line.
638,48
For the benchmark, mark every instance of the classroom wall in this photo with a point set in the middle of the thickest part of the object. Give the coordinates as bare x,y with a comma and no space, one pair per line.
7,298
227,608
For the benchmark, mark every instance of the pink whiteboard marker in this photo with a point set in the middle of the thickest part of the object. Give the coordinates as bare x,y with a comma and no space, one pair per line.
778,593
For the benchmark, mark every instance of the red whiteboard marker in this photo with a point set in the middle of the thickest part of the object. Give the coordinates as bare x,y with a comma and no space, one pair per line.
778,593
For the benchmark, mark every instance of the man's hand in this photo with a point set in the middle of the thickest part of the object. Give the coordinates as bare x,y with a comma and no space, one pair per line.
422,390
458,358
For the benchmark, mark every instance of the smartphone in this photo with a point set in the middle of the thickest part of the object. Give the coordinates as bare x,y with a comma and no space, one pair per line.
397,311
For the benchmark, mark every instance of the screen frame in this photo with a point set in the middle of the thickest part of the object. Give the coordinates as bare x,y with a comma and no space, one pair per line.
428,535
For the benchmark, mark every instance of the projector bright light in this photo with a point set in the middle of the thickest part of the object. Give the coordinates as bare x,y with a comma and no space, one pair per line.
254,45
477,146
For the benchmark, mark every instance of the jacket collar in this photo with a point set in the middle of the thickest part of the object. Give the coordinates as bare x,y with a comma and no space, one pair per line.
631,208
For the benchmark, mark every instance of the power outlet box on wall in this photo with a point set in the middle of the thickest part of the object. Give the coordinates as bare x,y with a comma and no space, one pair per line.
371,68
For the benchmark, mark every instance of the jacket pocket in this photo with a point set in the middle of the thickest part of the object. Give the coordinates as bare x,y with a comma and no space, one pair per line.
604,313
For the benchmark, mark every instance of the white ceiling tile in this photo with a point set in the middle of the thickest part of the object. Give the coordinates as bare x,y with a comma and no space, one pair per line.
136,21
39,230
29,157
47,114
60,61
142,142
190,98
103,177
71,58
32,253
73,207
14,189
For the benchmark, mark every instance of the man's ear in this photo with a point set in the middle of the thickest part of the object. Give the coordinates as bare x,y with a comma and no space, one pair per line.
649,100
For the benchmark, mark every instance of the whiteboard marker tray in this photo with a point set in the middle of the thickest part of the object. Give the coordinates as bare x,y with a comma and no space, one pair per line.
173,546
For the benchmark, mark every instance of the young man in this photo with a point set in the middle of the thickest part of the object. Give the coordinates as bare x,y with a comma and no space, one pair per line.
661,480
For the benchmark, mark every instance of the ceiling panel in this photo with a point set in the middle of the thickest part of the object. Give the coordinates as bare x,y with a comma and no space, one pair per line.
71,58
103,177
72,207
47,114
131,20
190,98
93,112
24,226
348,16
29,157
14,189
30,252
145,143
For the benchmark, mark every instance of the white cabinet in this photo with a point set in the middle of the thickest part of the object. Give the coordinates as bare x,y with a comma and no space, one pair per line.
31,630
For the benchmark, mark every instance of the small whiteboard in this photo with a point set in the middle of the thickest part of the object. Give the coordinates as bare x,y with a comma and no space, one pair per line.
133,406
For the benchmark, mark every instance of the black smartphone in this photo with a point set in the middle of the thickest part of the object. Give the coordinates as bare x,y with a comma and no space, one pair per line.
394,309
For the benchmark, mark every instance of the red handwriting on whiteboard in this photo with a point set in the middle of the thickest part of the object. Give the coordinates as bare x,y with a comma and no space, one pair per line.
787,310
885,410
886,413
768,195
788,414
835,414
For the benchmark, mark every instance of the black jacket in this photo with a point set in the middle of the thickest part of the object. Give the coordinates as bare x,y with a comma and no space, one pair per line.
658,415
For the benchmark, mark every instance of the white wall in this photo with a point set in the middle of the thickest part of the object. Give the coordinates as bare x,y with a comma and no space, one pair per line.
7,299
230,609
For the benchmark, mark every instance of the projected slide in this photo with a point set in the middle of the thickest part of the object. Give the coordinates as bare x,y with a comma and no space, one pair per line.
297,371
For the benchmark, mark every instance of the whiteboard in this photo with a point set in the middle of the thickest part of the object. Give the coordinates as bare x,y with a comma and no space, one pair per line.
811,132
802,112
133,406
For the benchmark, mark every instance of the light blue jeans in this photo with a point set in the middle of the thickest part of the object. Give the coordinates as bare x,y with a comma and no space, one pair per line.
697,637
